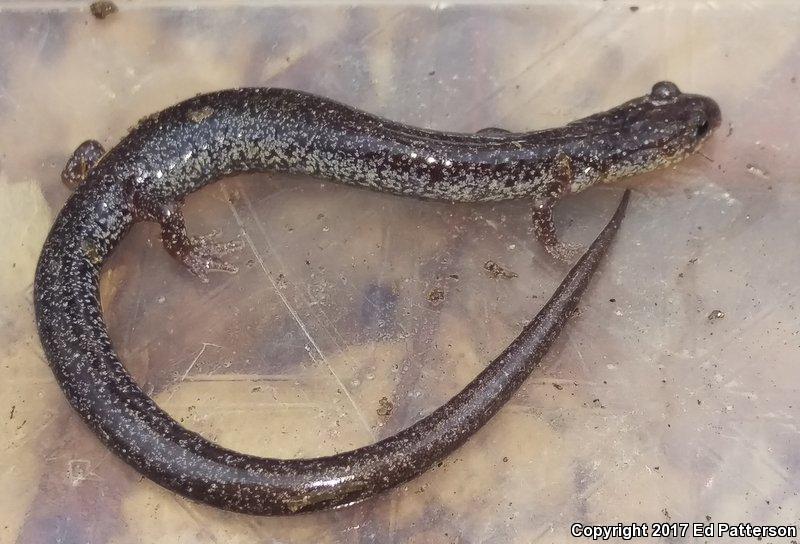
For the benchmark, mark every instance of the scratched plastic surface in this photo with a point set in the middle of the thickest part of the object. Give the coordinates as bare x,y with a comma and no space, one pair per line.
354,313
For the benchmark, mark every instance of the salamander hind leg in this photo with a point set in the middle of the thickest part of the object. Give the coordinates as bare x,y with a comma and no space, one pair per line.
199,254
83,159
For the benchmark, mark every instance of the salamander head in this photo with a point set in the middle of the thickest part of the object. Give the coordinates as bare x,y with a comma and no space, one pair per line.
652,131
678,121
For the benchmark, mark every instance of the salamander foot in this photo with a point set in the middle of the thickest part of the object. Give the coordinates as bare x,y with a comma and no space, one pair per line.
80,162
545,230
199,254
566,253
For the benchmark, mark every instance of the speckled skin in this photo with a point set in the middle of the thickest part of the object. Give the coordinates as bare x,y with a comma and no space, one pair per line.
172,153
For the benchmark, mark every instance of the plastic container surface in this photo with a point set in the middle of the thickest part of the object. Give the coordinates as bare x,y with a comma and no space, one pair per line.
355,312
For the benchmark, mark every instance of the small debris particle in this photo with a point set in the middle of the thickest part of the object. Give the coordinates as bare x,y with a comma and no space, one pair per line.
234,196
498,270
256,389
612,300
436,295
716,314
13,408
103,8
93,254
558,386
432,73
756,171
384,407
666,513
505,459
77,470
198,116
634,9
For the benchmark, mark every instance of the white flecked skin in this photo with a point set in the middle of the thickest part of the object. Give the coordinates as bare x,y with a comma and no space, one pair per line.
171,154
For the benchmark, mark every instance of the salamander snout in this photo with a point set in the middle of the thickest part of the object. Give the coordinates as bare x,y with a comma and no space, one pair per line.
708,118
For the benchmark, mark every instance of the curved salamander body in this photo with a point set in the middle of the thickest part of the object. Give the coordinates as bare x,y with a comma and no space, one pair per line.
170,154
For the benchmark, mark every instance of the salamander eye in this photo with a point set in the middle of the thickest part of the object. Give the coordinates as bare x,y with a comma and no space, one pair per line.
702,128
664,90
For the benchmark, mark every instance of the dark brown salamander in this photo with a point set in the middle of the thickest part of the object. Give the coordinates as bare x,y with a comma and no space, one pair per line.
183,148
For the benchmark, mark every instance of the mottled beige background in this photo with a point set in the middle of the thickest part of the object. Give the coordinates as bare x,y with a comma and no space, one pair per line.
645,410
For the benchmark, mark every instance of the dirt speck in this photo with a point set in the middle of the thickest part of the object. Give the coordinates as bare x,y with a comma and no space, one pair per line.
498,271
385,407
103,8
716,314
93,254
436,296
198,116
757,171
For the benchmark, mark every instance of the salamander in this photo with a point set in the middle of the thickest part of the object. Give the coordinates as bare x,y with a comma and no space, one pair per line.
172,153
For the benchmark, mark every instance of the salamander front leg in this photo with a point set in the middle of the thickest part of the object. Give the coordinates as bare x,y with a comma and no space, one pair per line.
543,225
197,253
545,230
80,162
